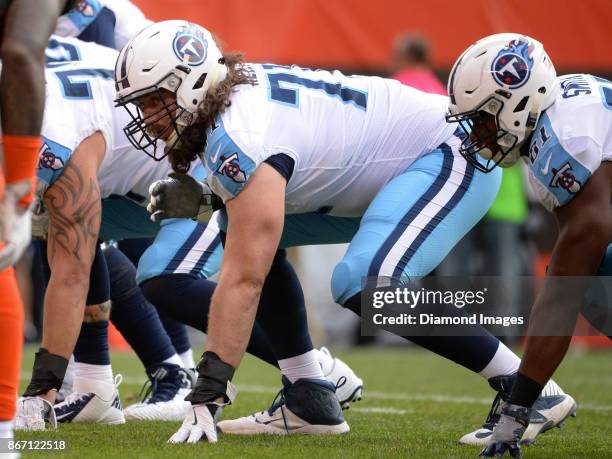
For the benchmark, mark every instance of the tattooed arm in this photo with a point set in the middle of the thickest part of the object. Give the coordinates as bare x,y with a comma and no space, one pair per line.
74,206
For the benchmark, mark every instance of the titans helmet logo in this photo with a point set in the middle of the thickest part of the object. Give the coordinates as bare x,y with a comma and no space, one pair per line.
191,46
512,65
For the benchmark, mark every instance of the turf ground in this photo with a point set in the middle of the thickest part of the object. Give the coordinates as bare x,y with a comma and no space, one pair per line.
414,405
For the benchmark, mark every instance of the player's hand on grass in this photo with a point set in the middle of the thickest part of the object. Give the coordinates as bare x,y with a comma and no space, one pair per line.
508,432
179,196
32,412
199,424
15,222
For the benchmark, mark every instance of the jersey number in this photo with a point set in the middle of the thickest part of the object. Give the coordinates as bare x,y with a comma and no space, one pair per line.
606,92
279,92
75,84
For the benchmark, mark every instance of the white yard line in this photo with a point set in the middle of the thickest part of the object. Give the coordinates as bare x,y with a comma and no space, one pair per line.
376,395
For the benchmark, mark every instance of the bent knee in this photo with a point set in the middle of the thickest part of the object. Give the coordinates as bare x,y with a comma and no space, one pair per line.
347,279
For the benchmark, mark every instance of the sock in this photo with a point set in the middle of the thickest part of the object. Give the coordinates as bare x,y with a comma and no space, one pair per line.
11,343
175,360
101,373
92,345
187,358
302,366
177,333
326,361
282,310
504,362
187,299
6,430
135,318
473,352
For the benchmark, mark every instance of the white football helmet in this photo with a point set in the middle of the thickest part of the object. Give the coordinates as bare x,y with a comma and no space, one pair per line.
506,79
177,56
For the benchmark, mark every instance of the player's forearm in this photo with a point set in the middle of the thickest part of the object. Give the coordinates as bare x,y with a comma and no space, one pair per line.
232,314
553,316
543,354
64,307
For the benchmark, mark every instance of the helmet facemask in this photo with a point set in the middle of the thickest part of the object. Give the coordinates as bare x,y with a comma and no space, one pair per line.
142,132
484,136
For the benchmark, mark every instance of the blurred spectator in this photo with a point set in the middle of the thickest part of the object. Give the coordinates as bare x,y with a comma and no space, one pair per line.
410,64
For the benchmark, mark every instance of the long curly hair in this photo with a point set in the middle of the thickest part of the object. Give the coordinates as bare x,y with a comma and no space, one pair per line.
217,99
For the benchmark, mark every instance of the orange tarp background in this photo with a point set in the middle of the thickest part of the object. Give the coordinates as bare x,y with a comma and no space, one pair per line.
358,34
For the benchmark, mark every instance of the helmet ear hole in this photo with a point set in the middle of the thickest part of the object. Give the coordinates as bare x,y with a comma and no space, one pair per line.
521,105
198,84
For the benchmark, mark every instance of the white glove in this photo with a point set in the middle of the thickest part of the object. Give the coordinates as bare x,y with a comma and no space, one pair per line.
31,414
508,432
180,196
15,223
200,421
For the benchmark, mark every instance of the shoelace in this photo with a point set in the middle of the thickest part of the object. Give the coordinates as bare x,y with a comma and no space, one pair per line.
278,402
493,416
71,402
160,390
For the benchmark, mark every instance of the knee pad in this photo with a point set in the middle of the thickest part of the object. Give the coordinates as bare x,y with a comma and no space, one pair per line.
347,278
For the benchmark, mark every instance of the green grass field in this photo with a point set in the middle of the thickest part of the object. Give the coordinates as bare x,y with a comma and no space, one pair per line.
414,405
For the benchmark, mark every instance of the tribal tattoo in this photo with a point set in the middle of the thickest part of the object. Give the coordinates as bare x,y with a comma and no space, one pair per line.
75,215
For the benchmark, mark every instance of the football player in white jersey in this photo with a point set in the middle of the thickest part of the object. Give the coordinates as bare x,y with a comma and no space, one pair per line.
109,23
93,184
303,157
504,89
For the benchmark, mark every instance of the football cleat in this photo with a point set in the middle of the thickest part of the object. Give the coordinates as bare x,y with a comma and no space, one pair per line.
164,399
349,386
32,412
550,410
306,407
92,401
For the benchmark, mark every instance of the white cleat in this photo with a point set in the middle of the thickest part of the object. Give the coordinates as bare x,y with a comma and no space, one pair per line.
550,410
32,413
349,387
313,400
92,401
165,399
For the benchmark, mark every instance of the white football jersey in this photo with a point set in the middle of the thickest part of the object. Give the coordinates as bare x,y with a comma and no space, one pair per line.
79,102
63,49
571,139
347,135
